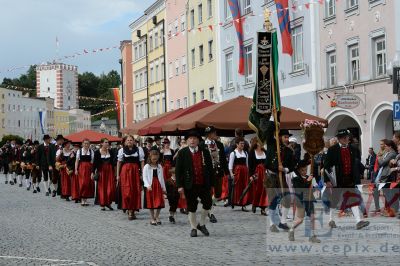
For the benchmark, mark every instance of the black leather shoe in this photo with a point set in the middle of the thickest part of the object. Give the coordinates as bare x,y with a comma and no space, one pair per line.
6,182
227,204
171,219
110,208
34,191
47,194
244,209
254,209
54,193
38,189
193,233
49,191
203,229
362,224
212,218
11,183
283,226
67,199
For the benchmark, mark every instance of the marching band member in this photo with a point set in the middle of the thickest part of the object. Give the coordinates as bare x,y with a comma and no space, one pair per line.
130,161
83,169
26,164
35,172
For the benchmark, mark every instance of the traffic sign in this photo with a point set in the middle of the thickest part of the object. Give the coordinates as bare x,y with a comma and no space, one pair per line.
396,110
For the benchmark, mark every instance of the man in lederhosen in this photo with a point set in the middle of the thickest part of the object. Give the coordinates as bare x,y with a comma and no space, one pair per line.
274,187
47,160
341,183
220,165
194,178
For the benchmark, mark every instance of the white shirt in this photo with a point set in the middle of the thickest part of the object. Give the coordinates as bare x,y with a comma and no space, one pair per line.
193,150
85,152
121,154
58,153
148,176
238,155
258,157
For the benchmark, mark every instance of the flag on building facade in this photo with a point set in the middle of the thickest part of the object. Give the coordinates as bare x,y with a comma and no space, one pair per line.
267,86
237,20
118,105
282,11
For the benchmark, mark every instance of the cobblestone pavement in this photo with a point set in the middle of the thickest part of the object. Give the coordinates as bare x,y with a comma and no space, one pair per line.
39,230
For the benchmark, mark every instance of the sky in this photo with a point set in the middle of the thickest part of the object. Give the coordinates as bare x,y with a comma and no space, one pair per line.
29,29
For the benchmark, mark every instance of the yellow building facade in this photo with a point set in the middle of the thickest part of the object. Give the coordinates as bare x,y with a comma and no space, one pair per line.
148,62
61,122
202,21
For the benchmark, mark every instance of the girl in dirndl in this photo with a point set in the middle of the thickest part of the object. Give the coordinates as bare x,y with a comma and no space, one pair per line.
130,161
83,168
64,158
238,168
153,179
257,170
103,166
75,192
167,159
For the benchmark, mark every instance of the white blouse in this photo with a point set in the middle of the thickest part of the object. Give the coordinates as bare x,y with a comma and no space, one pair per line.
121,154
242,154
148,176
85,152
58,153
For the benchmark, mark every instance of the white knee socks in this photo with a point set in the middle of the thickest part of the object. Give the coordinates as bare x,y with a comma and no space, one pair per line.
356,213
204,214
192,220
331,211
285,212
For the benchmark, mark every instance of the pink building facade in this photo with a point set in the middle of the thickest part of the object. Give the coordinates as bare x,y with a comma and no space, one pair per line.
127,83
358,40
176,76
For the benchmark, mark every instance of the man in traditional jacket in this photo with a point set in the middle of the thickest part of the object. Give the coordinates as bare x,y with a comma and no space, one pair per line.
194,178
47,160
220,165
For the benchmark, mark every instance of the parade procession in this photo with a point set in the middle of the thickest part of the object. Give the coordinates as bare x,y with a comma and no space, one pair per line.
271,150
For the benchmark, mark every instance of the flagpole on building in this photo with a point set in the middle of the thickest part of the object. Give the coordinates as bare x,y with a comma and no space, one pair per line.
268,28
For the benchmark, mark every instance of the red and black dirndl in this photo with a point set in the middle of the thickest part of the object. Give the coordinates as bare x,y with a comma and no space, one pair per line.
75,192
260,198
65,182
225,188
106,184
130,186
241,181
155,196
166,167
86,184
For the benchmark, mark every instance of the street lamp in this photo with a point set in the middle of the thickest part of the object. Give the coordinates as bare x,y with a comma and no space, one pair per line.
393,70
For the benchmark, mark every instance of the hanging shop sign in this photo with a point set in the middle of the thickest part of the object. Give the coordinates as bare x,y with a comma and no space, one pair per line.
347,101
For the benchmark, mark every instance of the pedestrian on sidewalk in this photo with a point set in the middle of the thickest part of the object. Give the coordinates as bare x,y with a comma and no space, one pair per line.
153,179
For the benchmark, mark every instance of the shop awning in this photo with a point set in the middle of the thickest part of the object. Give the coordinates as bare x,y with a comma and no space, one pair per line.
93,136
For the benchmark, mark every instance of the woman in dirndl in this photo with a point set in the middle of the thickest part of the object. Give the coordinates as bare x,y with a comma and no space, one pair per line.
153,179
238,168
257,172
103,168
167,159
130,161
64,158
83,168
75,191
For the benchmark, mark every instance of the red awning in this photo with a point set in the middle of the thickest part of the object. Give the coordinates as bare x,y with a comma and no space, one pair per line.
93,136
155,128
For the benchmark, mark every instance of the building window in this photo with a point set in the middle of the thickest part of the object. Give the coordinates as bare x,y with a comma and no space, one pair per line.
330,9
202,95
331,69
248,63
210,50
211,93
176,28
185,102
228,14
297,42
178,104
246,4
354,63
171,70
194,98
157,70
192,19
177,67
184,64
155,40
145,78
151,75
169,30
229,70
151,42
161,36
162,76
200,13
171,105
163,105
193,58
152,108
352,3
183,23
209,8
201,54
136,53
380,57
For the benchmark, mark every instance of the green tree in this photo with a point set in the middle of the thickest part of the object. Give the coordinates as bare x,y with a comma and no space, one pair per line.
9,138
27,80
